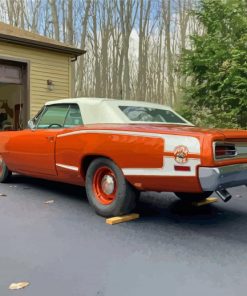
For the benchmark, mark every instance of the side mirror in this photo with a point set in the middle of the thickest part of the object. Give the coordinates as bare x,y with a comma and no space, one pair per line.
30,124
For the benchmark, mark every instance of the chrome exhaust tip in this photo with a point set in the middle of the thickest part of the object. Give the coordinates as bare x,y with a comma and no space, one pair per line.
224,195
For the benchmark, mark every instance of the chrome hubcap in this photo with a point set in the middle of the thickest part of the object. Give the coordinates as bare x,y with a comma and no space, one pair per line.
107,184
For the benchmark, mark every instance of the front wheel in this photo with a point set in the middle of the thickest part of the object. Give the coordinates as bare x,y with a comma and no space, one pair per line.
5,173
186,196
108,191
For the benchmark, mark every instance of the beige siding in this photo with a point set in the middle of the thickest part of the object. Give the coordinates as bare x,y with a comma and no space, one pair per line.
44,65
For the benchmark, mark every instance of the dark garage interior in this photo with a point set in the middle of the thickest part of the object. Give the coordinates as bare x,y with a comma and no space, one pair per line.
13,95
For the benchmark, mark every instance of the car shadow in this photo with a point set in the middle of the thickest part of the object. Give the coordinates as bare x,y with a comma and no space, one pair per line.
167,205
224,221
63,189
162,209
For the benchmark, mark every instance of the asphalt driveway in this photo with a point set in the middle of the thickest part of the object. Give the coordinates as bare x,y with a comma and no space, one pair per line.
63,248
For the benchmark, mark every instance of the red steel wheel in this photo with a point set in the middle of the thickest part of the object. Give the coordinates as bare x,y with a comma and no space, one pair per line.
104,185
108,192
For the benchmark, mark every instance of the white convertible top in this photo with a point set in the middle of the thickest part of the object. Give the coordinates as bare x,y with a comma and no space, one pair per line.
104,110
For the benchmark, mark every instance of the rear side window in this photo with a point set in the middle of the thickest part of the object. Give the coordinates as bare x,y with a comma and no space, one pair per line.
146,114
53,116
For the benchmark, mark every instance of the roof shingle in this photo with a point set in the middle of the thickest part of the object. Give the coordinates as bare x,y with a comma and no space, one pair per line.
15,35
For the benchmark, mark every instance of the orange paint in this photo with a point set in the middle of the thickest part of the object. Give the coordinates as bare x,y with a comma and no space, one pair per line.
37,153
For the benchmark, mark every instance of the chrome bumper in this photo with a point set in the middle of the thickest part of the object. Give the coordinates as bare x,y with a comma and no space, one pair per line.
218,178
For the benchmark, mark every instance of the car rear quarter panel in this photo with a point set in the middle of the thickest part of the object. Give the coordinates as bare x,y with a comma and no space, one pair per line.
124,150
127,151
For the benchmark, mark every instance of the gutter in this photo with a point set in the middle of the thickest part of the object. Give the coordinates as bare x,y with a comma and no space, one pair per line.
42,45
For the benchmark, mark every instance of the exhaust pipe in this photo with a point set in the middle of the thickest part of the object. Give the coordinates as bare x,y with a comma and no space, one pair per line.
224,195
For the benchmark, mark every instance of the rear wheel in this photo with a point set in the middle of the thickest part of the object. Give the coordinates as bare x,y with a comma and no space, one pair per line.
108,191
5,173
186,196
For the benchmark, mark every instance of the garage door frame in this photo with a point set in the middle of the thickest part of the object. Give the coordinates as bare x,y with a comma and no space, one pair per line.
26,79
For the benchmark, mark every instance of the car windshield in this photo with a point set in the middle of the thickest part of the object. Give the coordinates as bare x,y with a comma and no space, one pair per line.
146,114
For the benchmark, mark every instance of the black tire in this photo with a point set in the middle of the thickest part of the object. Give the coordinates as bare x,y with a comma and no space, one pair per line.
5,173
186,196
123,196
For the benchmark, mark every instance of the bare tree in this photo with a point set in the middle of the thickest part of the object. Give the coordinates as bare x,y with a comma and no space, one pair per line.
133,46
127,11
80,67
144,16
54,14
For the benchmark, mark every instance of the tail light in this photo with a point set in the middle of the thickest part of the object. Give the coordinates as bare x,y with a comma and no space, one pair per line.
224,150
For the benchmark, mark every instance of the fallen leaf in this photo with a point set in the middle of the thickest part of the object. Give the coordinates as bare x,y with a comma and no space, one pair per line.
2,194
17,286
49,201
239,195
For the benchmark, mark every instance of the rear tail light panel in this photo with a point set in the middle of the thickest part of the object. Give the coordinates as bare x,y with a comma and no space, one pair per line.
224,150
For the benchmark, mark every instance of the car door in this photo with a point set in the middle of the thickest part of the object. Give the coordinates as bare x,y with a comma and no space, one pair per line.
34,149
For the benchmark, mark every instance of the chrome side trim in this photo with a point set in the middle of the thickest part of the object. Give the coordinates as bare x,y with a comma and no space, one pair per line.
217,178
68,167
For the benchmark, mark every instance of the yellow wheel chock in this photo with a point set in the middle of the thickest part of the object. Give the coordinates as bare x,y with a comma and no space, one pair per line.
120,219
204,202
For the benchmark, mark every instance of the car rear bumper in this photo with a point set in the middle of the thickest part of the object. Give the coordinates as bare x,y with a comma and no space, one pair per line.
218,178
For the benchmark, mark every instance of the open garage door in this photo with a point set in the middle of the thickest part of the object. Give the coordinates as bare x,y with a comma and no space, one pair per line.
13,95
11,74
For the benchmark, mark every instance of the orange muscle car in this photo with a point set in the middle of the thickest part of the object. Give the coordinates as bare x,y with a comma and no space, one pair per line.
117,149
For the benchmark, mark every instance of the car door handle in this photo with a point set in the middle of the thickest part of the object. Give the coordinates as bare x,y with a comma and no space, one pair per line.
50,138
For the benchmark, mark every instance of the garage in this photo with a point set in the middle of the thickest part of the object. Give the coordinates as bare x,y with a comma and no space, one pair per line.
34,69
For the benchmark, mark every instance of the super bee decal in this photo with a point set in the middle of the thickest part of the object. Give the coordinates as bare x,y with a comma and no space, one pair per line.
181,154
